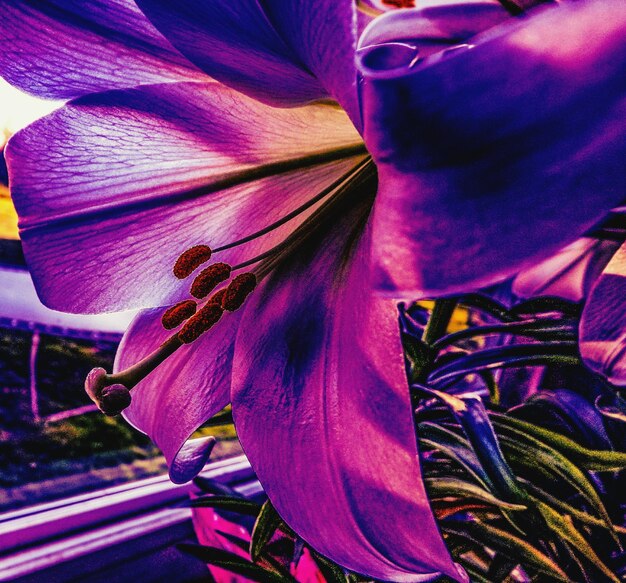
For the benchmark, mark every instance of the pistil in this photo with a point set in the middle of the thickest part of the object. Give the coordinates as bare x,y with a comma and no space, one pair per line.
111,392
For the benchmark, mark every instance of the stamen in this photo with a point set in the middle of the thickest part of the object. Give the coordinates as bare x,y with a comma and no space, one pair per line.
217,297
176,315
308,204
238,290
209,278
190,260
197,325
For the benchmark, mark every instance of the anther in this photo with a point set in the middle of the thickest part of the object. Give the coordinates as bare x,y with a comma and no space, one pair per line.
197,325
217,297
190,260
238,290
209,278
176,315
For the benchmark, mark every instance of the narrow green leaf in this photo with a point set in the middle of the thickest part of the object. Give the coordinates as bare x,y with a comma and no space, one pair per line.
454,487
332,572
232,504
590,459
566,530
233,563
265,526
487,305
509,545
545,304
439,320
237,541
546,329
552,463
462,457
472,415
565,508
510,356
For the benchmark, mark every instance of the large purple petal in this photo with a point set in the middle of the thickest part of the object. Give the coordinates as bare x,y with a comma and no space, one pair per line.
113,187
493,155
323,34
235,43
322,410
602,337
183,392
61,49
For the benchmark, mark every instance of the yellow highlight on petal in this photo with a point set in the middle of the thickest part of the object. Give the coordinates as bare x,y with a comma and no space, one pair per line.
8,216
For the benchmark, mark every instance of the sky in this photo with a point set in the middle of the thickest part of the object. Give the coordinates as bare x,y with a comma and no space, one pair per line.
18,109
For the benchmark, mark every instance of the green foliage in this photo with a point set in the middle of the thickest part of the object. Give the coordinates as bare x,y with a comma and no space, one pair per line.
513,499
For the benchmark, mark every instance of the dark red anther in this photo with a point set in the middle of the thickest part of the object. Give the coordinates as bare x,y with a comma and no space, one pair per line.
209,278
400,3
197,325
238,290
190,260
114,399
217,297
176,315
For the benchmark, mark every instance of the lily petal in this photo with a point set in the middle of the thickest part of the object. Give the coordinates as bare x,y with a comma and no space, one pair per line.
61,49
569,274
323,34
113,187
191,386
602,339
235,43
322,410
493,155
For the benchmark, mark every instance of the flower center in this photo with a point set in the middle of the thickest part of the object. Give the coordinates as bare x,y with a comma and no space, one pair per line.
111,392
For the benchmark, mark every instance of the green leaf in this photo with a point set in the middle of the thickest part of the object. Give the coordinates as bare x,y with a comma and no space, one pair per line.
580,515
439,320
547,329
509,545
230,503
510,356
472,415
332,572
233,563
265,526
486,305
455,487
545,304
237,541
566,530
454,447
551,463
590,459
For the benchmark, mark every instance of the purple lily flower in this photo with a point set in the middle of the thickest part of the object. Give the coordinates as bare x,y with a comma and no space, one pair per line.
215,123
